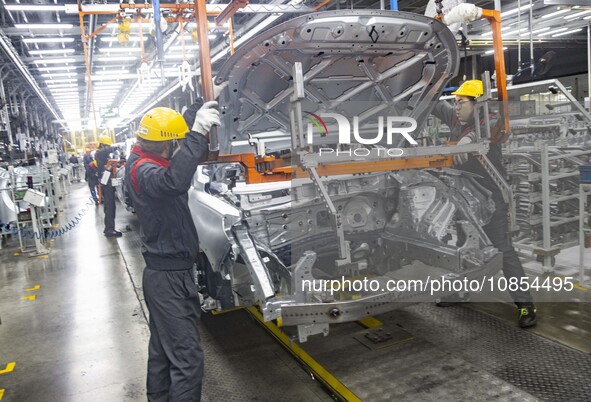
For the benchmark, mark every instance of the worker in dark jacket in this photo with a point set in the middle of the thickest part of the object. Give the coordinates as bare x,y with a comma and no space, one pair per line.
91,174
460,120
158,175
102,156
73,161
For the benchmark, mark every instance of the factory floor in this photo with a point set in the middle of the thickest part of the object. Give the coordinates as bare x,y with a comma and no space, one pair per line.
73,327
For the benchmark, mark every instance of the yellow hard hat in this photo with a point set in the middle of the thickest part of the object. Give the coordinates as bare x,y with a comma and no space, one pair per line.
105,139
162,124
471,88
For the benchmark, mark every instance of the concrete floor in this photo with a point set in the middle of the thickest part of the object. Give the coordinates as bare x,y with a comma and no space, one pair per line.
84,334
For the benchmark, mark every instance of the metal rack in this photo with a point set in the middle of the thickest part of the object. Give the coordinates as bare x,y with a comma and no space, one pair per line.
545,183
41,180
584,227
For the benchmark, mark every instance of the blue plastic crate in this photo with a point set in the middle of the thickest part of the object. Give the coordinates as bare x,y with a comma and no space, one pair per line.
585,173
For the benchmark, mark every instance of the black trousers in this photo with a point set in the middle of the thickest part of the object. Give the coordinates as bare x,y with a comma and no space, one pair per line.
108,193
175,356
497,231
92,186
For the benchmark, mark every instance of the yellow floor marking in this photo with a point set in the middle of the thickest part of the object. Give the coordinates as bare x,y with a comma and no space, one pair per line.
9,368
298,352
214,312
43,256
1,393
36,287
580,287
371,322
29,297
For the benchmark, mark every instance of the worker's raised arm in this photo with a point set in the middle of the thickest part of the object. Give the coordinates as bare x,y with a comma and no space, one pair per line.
162,178
444,112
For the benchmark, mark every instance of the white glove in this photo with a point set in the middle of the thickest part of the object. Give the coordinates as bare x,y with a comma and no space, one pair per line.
217,89
206,117
462,13
460,159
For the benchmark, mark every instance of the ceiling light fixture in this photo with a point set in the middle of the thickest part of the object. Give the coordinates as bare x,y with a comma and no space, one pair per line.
59,68
118,58
120,49
54,61
567,32
576,15
51,51
34,7
553,32
110,39
59,74
43,26
505,14
48,40
492,51
555,13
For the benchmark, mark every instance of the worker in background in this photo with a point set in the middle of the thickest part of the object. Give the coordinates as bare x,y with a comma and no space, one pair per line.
90,174
73,161
87,158
93,180
158,175
102,156
461,122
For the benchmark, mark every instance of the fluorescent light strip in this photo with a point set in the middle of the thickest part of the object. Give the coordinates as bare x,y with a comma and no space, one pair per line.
576,15
34,7
118,58
43,26
51,51
54,61
540,30
555,13
553,32
61,80
60,91
514,32
111,39
48,40
105,72
492,51
515,10
120,49
180,47
567,32
59,74
60,68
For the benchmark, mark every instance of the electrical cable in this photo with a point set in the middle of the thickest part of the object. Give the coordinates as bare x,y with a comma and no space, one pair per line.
7,228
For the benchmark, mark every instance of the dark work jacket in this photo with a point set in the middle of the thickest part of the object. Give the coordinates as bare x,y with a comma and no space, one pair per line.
102,156
86,159
158,190
447,114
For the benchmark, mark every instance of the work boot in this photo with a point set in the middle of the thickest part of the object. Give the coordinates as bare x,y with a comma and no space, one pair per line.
452,300
114,233
527,315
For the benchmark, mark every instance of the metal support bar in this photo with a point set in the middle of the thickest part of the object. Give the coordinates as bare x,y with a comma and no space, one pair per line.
262,282
229,11
546,229
205,67
344,247
505,189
